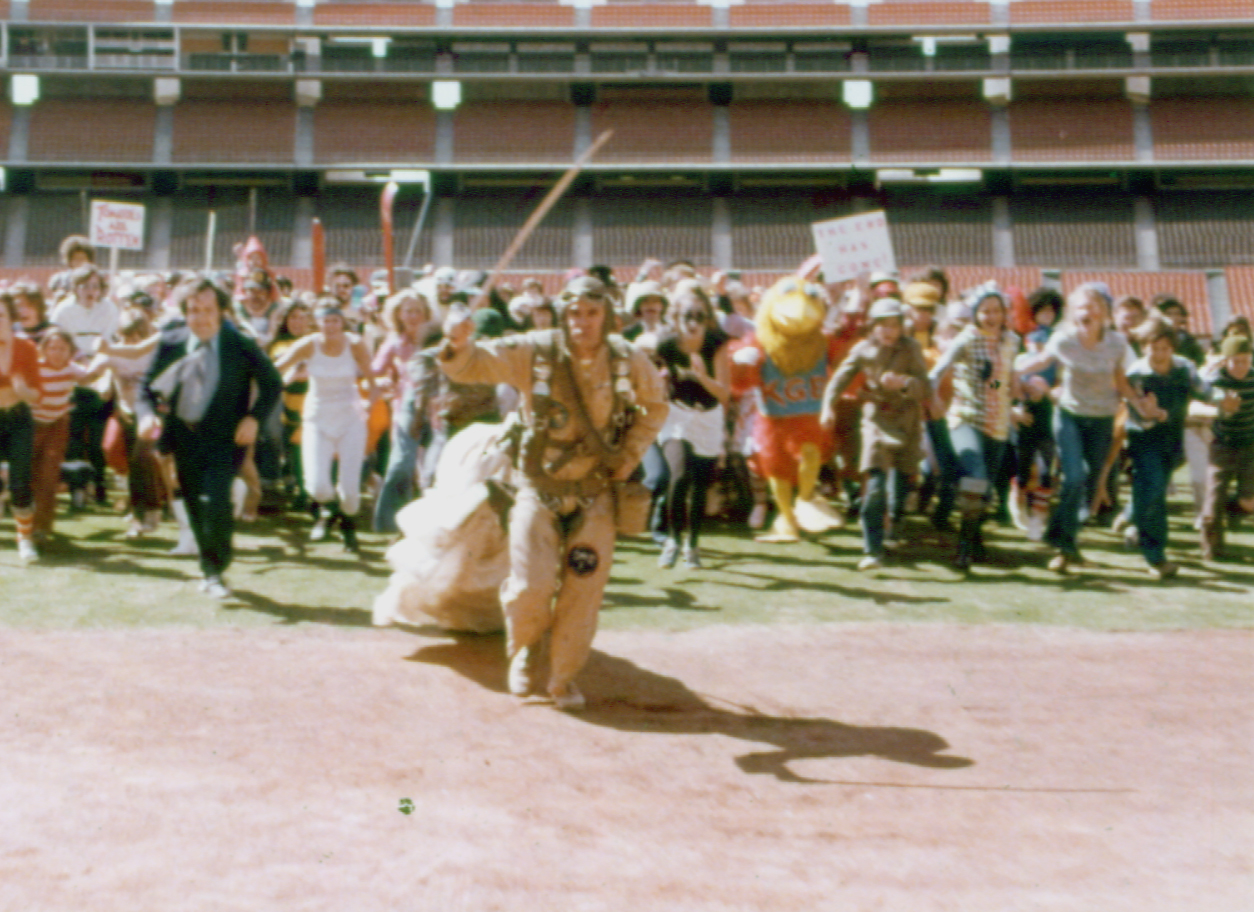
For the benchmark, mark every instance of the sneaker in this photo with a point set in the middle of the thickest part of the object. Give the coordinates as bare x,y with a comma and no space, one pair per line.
670,553
135,529
214,587
568,698
1131,538
870,562
692,559
1060,563
319,530
26,550
1165,570
757,516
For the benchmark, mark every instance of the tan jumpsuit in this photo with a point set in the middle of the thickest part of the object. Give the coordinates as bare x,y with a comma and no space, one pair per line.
561,549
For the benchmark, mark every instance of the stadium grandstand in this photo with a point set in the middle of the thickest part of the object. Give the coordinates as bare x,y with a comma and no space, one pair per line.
1034,140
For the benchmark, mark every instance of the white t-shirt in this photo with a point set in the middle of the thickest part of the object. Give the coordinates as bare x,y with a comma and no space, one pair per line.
1087,387
86,325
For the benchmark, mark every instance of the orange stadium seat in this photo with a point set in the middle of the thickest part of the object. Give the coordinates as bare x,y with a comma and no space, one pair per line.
118,130
236,12
89,11
652,15
1192,129
518,132
789,131
6,122
369,130
931,131
407,13
1072,11
1079,129
1025,278
770,14
4,10
1241,290
225,131
537,13
1188,287
928,12
662,130
1193,10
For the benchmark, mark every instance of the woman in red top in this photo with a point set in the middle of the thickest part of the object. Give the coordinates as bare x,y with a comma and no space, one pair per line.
19,389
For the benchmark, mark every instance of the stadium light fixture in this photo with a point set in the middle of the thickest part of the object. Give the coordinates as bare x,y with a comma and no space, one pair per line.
925,176
446,94
929,46
408,176
24,89
379,47
4,179
858,93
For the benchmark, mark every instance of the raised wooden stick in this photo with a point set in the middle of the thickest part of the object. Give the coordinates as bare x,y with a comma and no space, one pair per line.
386,201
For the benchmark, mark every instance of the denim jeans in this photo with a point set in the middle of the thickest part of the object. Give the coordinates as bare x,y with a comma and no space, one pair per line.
399,482
1153,457
947,467
978,455
1082,447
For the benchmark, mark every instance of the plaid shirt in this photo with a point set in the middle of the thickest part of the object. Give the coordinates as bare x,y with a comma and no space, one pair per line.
983,375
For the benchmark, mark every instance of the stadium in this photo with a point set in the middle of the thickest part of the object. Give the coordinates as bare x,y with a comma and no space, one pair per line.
1037,142
770,730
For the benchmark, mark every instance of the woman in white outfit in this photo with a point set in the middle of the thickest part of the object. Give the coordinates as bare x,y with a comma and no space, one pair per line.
333,423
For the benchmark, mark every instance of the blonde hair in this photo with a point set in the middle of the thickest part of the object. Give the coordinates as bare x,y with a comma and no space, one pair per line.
392,308
1083,294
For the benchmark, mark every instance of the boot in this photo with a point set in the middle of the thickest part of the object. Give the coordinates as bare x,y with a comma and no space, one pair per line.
186,544
966,543
348,529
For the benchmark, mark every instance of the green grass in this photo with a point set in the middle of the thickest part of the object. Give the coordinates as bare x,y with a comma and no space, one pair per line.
92,577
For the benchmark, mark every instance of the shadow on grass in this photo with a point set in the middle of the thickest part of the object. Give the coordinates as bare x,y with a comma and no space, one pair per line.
297,614
623,696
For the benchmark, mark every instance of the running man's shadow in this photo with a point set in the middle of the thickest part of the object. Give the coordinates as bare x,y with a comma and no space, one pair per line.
624,696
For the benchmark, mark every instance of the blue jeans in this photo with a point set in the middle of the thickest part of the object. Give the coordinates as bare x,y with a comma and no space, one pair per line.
979,455
884,491
399,481
1153,458
947,467
1082,447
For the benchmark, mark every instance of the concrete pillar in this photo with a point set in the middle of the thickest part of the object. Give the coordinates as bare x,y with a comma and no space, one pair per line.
722,135
302,233
1000,126
583,130
583,249
163,136
1146,235
1003,233
860,136
19,133
1142,133
15,234
442,247
444,137
161,214
303,153
723,248
1220,300
18,11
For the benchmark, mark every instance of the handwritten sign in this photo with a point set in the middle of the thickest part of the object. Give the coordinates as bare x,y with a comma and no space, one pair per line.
854,245
118,225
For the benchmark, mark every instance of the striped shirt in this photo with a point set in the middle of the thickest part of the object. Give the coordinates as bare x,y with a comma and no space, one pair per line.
58,387
1237,429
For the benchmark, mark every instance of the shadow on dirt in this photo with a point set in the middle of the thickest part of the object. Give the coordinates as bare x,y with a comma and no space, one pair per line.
623,696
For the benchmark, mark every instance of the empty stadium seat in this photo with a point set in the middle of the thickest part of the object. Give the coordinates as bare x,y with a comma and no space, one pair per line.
1094,227
275,215
772,230
770,14
1241,290
6,123
350,220
514,132
89,11
92,130
631,228
930,131
651,15
235,12
656,129
961,278
1075,129
928,12
50,218
225,131
1193,129
484,225
1205,228
372,130
494,14
398,13
940,227
1193,10
1072,11
789,131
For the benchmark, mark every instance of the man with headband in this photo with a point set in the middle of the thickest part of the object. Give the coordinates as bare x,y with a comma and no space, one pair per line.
590,406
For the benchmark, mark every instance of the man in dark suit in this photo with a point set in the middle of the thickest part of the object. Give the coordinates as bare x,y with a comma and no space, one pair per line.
197,401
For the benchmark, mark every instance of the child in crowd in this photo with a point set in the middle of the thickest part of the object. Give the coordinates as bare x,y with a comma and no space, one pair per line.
1232,449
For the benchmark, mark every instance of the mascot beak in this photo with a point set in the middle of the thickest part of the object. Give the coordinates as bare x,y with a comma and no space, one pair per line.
796,314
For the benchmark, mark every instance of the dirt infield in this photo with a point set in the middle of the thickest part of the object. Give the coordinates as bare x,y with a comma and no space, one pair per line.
822,767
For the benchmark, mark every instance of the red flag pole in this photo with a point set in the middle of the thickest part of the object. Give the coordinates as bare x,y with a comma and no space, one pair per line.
386,202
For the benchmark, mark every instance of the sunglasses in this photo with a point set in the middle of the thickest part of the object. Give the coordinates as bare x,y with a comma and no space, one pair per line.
693,316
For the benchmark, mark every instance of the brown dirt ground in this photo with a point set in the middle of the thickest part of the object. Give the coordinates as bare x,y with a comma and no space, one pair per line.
834,767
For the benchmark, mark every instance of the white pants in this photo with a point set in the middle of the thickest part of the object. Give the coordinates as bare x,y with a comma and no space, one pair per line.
319,450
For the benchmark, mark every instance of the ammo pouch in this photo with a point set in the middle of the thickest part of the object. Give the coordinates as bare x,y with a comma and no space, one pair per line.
632,506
